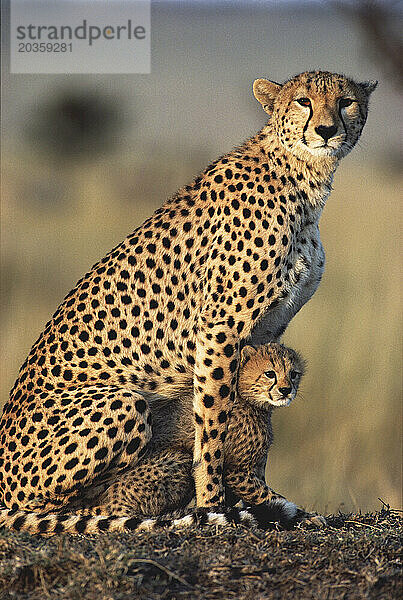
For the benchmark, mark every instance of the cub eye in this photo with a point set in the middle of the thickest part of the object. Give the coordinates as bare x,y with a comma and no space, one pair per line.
304,101
270,374
345,102
294,374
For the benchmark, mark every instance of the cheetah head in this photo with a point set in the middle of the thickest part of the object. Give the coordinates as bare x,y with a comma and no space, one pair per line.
270,374
316,114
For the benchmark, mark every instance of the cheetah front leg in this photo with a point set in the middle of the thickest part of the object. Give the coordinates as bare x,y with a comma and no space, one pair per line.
217,358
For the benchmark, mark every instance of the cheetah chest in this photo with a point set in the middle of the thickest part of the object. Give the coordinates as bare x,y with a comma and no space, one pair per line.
306,266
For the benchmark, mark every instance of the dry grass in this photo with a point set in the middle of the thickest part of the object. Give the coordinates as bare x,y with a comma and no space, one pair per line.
338,444
357,557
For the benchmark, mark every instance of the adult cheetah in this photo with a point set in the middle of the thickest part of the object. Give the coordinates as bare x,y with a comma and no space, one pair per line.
232,256
162,480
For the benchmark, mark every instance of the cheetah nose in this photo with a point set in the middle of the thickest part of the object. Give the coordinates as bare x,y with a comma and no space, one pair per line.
284,391
326,132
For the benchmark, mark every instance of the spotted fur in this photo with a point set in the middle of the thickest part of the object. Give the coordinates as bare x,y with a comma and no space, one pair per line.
230,257
162,481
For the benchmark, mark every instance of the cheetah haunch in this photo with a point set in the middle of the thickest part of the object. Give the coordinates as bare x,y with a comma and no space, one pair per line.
232,256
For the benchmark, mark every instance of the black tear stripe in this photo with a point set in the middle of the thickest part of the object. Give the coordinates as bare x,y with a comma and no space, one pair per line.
306,124
274,384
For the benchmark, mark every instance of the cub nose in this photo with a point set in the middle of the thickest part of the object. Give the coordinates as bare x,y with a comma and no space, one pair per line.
284,391
326,132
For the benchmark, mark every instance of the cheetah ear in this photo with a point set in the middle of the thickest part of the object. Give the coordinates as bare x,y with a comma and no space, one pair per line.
247,352
368,86
265,92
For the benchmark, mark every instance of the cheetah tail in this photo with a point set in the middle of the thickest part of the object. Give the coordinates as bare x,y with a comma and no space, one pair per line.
48,524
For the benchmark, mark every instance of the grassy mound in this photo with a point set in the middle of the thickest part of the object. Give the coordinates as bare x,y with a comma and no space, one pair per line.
356,557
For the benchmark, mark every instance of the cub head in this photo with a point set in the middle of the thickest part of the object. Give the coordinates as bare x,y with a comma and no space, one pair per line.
316,114
270,374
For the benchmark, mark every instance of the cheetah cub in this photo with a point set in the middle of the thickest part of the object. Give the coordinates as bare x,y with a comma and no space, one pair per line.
162,481
269,376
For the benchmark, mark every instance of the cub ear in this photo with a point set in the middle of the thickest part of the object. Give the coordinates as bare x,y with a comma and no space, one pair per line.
368,86
247,352
265,92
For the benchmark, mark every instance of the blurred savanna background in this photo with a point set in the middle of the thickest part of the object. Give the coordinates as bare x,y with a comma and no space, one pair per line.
85,158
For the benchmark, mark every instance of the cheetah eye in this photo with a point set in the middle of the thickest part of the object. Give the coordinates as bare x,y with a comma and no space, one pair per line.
270,374
345,102
294,374
304,101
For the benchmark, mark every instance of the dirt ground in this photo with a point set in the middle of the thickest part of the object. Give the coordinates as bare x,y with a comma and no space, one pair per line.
356,557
